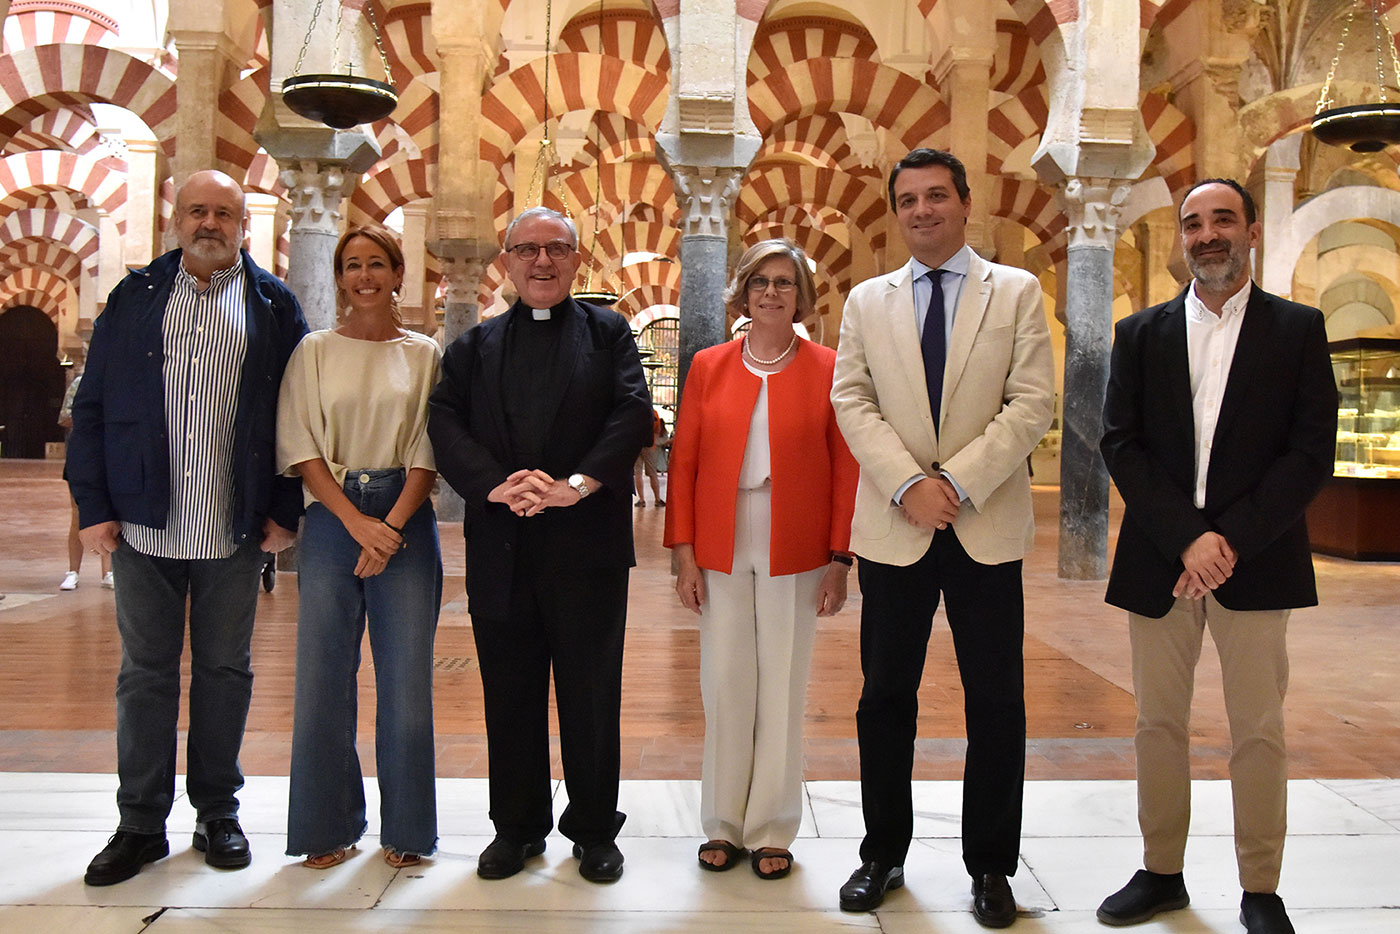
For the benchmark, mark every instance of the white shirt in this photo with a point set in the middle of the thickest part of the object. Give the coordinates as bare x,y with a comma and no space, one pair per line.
758,463
1210,349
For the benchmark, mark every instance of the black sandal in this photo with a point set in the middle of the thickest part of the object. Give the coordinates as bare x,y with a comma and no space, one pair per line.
732,855
770,852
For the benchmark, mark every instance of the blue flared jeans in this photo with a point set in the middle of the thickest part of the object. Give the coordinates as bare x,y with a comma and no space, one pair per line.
401,603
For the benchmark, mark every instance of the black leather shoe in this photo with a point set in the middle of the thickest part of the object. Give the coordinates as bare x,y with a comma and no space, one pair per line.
124,855
993,905
865,889
503,858
600,862
1264,914
223,844
1146,894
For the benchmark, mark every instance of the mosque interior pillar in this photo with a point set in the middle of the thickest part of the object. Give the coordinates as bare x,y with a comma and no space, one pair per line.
142,160
1281,165
417,311
204,63
262,228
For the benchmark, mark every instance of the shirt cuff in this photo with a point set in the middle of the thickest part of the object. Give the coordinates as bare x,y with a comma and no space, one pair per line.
898,496
962,494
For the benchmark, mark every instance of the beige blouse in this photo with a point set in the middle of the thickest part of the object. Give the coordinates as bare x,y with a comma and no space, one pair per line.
357,404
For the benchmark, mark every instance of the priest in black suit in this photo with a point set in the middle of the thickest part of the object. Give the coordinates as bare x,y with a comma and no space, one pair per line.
1219,428
539,417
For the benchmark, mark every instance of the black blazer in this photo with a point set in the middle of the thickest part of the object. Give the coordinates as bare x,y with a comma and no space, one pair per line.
602,422
1272,451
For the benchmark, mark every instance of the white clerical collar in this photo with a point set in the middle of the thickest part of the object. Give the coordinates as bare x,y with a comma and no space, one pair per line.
541,314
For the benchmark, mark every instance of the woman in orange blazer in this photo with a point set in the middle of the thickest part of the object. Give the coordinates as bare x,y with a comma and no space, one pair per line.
760,498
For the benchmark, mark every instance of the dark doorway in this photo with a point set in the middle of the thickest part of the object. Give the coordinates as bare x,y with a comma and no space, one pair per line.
31,382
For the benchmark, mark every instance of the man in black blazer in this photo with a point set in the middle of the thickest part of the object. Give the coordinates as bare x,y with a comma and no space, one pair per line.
1219,428
539,417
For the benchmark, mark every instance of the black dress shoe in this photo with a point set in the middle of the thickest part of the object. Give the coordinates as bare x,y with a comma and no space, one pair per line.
1146,894
1262,913
599,862
124,855
993,905
865,889
223,844
503,858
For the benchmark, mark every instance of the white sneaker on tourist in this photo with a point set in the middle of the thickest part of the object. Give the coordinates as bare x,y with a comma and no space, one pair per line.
70,581
108,581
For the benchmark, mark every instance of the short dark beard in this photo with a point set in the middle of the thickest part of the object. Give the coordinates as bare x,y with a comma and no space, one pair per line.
1229,271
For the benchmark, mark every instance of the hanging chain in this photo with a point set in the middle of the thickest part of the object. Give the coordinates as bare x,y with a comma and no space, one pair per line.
1376,36
315,15
1324,99
379,42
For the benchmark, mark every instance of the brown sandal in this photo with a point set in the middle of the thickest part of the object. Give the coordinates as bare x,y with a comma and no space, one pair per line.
326,860
770,852
400,860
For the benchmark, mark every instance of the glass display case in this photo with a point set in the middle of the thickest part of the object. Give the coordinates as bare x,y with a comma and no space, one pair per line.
1357,513
1367,370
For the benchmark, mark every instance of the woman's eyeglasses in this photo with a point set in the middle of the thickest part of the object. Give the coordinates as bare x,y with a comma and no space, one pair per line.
761,283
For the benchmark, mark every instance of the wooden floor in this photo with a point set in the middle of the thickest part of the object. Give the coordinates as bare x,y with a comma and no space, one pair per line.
61,652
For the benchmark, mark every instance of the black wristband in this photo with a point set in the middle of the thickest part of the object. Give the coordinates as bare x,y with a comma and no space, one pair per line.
395,528
842,559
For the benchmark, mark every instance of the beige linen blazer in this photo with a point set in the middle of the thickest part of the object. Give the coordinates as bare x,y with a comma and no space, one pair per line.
998,389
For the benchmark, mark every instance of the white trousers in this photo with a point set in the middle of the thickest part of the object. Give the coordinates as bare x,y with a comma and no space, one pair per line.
756,637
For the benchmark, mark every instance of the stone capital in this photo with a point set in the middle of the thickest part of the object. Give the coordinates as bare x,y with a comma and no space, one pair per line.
461,277
706,195
316,190
1093,207
958,57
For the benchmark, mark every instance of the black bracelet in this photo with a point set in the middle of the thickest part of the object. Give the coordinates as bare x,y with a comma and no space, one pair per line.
842,559
396,529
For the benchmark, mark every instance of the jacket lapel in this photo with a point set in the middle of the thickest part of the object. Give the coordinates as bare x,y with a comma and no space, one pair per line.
1254,330
1173,358
902,332
972,308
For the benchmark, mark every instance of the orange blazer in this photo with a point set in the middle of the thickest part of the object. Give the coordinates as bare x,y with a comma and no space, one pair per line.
813,473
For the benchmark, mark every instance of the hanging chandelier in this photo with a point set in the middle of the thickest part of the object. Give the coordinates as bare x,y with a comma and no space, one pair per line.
1361,127
340,101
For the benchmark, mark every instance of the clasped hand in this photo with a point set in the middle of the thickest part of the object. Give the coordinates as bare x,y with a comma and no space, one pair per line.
378,543
931,503
528,492
1209,561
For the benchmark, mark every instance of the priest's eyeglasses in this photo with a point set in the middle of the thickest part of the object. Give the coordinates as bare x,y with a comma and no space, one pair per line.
555,249
761,283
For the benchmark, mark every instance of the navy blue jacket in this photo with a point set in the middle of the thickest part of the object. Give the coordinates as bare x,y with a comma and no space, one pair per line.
118,464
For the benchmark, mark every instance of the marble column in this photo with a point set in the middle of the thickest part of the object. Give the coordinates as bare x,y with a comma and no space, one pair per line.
111,258
141,161
316,190
1281,166
262,228
463,264
1092,206
706,196
204,64
1156,238
411,299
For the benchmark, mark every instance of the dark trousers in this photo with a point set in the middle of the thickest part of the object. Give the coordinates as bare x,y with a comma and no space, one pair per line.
574,619
986,615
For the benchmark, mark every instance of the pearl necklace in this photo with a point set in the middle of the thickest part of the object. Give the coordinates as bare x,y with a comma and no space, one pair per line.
748,348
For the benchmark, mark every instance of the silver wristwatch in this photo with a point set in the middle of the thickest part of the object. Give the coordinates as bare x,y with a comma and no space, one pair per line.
578,483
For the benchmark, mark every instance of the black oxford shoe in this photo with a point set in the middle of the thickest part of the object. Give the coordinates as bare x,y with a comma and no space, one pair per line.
503,858
124,855
599,862
1263,914
1146,895
865,889
223,844
993,905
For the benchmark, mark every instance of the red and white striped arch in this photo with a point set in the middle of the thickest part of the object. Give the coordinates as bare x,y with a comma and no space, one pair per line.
612,138
634,303
515,105
39,288
1014,121
780,44
40,254
617,240
417,115
240,105
618,184
860,202
1017,63
408,40
69,129
1173,133
819,139
888,98
391,186
36,81
1028,203
101,181
630,35
38,224
33,23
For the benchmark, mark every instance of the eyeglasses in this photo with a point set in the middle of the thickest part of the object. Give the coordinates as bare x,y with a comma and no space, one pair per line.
554,249
761,283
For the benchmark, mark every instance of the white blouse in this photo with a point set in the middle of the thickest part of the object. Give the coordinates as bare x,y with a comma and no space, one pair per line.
758,460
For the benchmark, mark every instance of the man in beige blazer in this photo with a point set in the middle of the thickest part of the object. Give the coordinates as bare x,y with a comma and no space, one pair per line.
943,507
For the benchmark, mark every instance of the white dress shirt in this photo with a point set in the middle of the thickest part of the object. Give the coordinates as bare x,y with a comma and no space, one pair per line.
1210,349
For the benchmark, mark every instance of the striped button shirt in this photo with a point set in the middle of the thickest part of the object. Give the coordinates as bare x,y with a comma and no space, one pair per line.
205,341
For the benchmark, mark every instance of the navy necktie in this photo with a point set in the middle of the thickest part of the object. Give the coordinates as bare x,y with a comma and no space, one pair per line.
934,345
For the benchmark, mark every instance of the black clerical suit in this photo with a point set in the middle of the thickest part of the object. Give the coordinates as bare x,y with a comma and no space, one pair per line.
564,395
